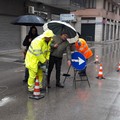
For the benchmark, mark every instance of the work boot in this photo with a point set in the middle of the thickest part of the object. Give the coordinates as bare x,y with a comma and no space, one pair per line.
24,81
30,89
59,85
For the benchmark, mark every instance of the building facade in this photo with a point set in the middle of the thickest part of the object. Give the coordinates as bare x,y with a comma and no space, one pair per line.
11,36
99,20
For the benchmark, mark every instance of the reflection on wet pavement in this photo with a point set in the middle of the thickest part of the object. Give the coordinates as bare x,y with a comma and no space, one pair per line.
101,101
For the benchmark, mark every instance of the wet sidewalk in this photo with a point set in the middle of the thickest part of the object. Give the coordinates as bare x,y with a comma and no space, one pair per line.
101,101
12,56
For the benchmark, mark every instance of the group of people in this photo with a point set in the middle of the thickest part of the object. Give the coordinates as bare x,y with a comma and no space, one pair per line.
47,50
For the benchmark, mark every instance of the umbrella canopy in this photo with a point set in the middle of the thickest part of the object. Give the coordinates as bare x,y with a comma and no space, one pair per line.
29,20
58,27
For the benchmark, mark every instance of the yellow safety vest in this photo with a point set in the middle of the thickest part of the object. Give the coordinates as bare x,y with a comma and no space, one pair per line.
38,52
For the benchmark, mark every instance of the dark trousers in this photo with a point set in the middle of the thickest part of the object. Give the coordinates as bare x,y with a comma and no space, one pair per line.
57,62
26,74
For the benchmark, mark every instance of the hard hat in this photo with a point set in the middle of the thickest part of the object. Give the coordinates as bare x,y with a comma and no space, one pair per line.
48,33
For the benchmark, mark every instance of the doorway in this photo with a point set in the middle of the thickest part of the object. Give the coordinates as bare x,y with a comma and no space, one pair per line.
88,32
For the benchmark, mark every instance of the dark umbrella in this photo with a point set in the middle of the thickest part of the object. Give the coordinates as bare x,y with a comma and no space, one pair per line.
28,20
58,27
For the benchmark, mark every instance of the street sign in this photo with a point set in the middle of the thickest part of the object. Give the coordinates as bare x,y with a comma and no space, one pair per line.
67,17
78,61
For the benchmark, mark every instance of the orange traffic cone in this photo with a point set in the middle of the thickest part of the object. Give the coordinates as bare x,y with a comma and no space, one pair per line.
36,94
118,67
96,60
100,74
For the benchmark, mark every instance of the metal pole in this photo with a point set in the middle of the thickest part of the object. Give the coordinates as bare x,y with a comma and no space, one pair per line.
66,75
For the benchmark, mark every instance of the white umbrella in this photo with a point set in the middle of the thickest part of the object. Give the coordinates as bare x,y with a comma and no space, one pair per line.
58,27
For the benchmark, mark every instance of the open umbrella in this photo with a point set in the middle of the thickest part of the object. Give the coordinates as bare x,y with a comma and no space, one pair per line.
58,27
29,20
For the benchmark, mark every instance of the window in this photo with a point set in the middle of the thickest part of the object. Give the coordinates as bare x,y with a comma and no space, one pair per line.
115,30
114,9
103,34
111,34
118,32
109,9
90,4
107,32
104,5
81,3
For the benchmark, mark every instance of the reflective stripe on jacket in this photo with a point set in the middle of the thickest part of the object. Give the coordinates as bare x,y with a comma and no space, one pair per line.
38,52
83,48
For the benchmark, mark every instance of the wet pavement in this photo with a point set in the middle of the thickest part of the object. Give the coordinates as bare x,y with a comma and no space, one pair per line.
101,101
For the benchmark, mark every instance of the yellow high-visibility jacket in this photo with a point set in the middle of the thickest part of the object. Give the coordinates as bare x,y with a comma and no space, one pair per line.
83,48
38,52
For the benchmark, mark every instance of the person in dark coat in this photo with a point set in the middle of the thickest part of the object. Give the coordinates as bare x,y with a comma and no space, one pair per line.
59,45
33,33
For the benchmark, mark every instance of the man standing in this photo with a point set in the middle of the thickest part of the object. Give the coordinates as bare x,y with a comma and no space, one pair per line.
59,45
82,47
37,54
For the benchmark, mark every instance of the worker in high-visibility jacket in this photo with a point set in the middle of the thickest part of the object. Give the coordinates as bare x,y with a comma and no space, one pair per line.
82,47
37,54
